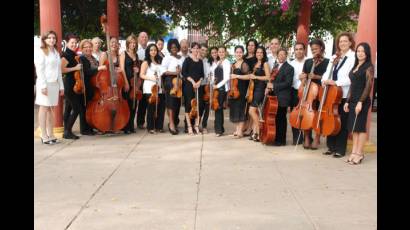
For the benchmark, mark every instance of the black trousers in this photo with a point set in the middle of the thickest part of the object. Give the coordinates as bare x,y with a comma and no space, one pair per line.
130,125
281,125
142,109
219,113
204,113
152,122
73,108
338,142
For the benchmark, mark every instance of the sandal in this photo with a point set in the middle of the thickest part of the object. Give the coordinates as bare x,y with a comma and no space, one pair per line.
197,129
360,160
190,131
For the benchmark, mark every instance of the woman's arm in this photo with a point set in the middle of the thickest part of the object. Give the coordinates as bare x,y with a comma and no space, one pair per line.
143,72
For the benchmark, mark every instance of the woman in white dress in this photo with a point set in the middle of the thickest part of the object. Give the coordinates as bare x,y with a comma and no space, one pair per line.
49,84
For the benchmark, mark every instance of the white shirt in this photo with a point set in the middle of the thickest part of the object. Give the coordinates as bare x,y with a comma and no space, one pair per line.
48,68
226,66
206,71
271,62
141,53
170,63
298,67
97,55
343,79
146,88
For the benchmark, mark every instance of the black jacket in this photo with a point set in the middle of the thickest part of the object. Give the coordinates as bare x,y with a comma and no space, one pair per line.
282,84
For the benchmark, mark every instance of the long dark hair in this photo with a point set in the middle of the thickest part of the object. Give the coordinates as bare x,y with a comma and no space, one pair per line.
210,58
157,58
367,63
247,43
265,56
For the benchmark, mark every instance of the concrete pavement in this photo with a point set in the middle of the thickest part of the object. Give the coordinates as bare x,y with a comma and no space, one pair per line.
145,181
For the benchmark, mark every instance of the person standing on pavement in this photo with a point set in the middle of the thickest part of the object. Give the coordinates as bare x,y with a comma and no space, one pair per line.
358,100
343,62
142,107
49,84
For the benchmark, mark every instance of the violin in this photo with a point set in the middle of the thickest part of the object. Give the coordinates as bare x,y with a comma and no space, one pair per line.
79,87
154,99
207,90
194,106
135,91
234,91
267,123
176,90
327,120
215,102
302,116
108,111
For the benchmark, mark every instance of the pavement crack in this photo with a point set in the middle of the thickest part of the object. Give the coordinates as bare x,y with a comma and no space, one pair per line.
103,183
49,156
198,182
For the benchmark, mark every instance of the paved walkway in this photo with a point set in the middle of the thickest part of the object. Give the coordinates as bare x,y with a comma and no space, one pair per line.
144,181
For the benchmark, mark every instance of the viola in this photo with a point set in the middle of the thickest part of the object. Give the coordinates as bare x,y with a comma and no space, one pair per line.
79,79
194,106
135,86
234,90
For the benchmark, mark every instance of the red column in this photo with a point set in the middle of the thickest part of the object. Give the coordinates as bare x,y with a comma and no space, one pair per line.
112,17
50,19
367,32
303,31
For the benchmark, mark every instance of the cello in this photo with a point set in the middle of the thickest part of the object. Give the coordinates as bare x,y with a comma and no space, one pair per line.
79,87
108,111
327,120
302,116
267,123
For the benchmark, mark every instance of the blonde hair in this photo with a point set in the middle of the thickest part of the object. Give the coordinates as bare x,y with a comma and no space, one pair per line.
44,46
83,42
128,41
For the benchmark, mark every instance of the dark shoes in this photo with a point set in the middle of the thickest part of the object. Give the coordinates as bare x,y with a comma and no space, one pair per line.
279,144
338,155
328,152
88,133
70,135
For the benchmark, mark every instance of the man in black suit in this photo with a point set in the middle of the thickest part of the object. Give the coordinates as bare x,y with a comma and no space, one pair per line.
282,89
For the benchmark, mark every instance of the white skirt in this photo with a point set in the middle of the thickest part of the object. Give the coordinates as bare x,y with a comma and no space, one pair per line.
51,99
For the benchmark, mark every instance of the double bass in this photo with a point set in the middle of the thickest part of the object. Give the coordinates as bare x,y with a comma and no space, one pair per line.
302,115
108,111
327,120
267,123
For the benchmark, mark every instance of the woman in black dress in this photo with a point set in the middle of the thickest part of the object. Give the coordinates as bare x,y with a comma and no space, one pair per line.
260,76
237,113
193,73
317,47
90,69
358,102
129,65
250,59
72,100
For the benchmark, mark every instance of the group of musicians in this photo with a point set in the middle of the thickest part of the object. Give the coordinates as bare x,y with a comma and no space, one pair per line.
203,83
